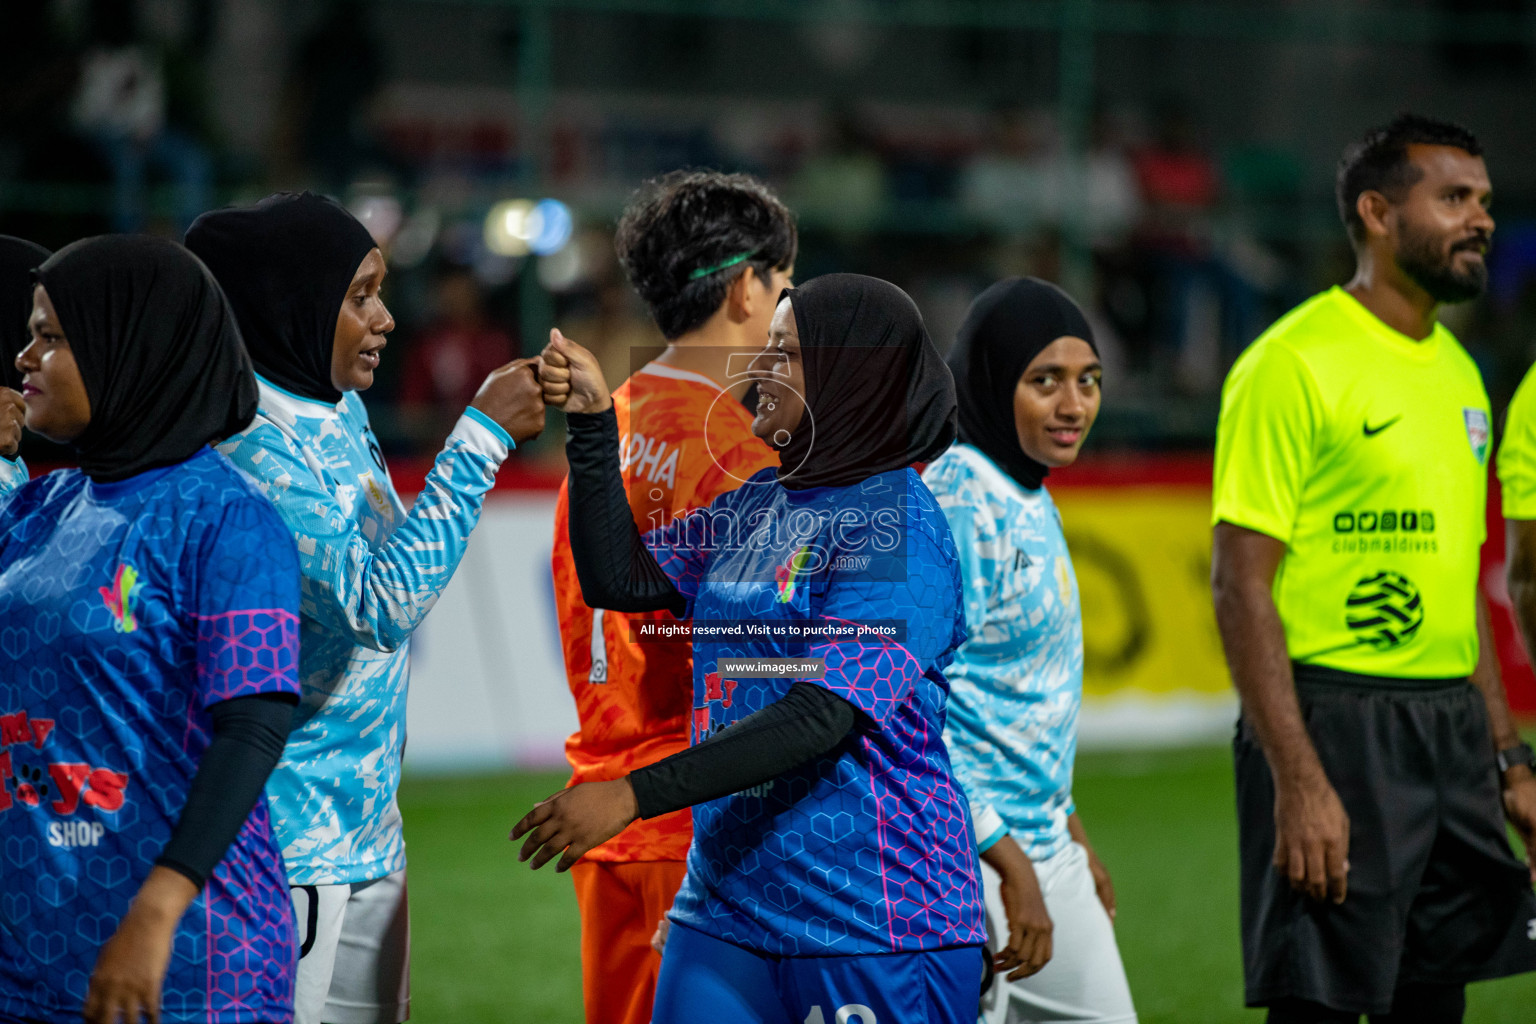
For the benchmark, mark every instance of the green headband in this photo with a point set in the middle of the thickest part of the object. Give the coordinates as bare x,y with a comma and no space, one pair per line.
694,275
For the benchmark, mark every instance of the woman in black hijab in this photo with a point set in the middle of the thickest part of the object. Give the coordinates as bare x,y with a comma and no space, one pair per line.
305,280
800,562
156,348
1027,375
883,398
287,265
18,258
1006,329
151,605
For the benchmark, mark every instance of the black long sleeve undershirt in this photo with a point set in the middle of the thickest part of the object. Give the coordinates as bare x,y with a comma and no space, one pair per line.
248,737
799,727
618,572
613,565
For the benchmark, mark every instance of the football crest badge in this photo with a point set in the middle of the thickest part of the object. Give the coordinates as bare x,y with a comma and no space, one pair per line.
1477,432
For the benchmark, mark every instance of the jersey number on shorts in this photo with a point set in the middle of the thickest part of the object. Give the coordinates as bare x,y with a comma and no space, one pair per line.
853,1013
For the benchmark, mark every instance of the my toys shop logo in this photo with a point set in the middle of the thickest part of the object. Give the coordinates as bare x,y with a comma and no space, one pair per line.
62,785
716,691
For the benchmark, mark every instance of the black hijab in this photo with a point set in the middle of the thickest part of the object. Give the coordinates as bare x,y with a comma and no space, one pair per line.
878,396
286,264
1007,326
18,259
157,348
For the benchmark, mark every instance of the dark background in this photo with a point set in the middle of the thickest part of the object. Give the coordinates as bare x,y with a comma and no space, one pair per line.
1171,163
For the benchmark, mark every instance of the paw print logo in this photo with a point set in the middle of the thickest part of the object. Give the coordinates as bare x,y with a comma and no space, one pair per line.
33,789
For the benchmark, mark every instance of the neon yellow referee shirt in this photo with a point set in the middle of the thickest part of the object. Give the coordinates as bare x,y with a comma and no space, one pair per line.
1517,452
1365,452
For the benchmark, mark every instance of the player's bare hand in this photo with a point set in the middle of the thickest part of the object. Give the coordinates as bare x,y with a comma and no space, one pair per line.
1101,882
571,378
130,969
659,939
575,820
13,413
1312,839
1029,923
1520,809
513,397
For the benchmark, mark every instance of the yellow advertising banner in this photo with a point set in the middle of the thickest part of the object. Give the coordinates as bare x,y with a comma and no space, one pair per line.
1153,664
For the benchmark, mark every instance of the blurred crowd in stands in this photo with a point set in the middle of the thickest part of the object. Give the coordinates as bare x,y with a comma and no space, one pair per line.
1185,246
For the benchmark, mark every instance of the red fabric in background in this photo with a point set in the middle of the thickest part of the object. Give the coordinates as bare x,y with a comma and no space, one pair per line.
410,475
1188,178
1519,679
446,363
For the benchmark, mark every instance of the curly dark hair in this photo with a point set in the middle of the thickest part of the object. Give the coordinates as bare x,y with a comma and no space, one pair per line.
682,234
1379,162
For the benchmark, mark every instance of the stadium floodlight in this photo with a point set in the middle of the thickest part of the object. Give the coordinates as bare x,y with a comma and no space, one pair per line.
380,214
549,227
516,227
508,227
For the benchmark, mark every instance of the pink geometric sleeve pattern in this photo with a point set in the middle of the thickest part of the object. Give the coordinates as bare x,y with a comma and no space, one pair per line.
240,653
874,676
246,605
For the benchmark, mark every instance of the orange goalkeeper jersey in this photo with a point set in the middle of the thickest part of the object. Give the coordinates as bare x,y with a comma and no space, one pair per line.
682,443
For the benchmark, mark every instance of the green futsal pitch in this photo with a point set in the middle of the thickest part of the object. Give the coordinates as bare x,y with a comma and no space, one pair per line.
496,943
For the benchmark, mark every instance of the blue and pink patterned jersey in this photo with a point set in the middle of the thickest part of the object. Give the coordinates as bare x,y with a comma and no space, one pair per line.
127,610
869,849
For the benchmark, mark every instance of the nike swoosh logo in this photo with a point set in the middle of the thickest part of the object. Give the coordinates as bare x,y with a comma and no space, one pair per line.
1371,431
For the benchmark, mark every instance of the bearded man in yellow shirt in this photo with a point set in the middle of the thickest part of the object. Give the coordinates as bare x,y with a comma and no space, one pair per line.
1375,756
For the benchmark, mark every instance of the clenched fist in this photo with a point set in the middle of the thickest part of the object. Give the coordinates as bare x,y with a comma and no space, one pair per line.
571,378
13,413
513,398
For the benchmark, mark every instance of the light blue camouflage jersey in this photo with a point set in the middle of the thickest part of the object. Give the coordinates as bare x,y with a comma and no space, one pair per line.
371,572
1017,683
13,473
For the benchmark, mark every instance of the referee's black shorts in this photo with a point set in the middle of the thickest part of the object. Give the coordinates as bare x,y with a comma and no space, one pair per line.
1436,895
